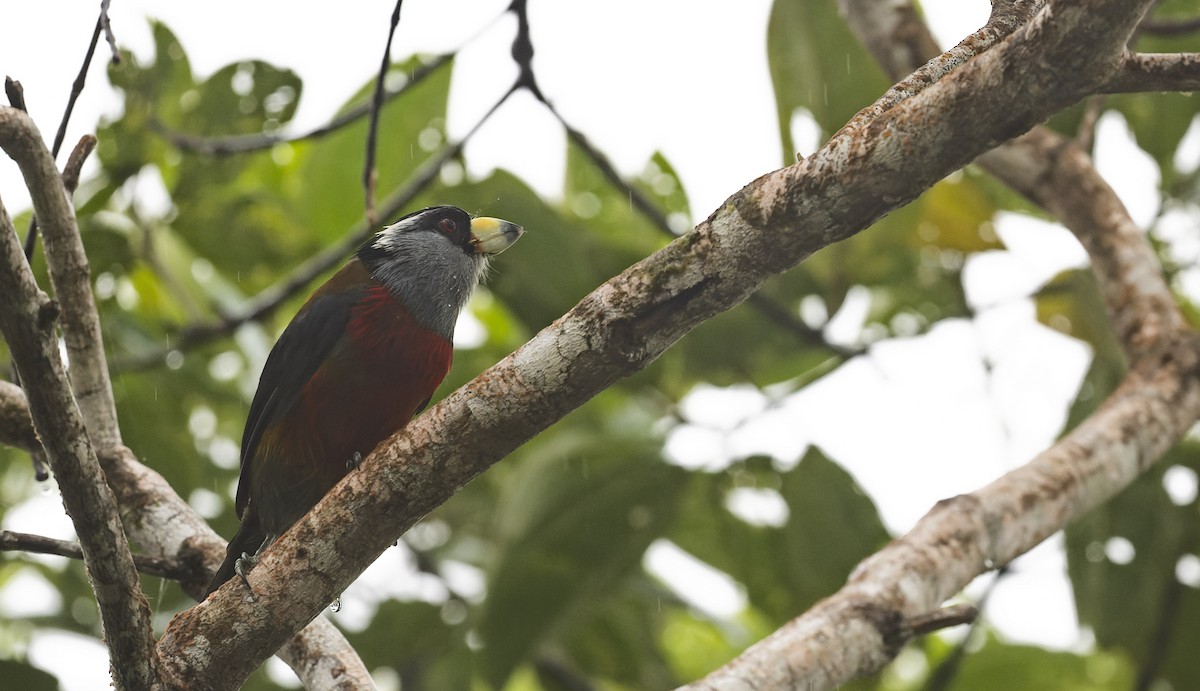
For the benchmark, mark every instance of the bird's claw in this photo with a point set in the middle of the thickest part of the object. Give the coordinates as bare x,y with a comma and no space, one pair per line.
355,461
242,566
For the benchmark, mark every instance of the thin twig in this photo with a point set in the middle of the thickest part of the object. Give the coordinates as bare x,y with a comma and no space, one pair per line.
11,541
1167,626
15,93
71,171
370,175
944,618
108,32
76,90
943,675
522,51
247,143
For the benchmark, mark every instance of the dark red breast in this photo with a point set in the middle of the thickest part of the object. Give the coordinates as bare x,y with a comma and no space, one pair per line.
380,370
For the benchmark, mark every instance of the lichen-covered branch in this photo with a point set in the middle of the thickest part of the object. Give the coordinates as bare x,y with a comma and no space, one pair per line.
881,163
965,536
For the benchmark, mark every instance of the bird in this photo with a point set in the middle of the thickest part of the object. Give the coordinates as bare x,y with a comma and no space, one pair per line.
362,356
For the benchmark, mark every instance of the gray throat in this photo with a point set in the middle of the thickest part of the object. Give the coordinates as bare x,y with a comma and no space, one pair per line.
432,277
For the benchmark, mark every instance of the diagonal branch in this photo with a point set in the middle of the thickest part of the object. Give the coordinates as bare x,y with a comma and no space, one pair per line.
969,534
767,227
961,537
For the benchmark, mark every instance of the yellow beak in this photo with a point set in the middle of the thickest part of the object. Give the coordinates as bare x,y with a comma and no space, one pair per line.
493,235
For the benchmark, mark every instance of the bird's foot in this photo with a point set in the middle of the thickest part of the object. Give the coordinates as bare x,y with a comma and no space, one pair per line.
242,566
355,461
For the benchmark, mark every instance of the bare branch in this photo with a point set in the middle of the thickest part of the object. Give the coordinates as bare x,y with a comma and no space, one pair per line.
15,93
70,175
969,534
39,544
69,273
76,90
767,227
1142,72
225,146
962,537
370,175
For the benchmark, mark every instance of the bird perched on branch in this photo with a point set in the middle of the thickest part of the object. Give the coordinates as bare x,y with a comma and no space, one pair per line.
362,356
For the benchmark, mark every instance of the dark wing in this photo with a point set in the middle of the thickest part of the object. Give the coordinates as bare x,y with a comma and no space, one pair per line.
296,357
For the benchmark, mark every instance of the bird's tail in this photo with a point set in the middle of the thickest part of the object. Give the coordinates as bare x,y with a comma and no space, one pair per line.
248,539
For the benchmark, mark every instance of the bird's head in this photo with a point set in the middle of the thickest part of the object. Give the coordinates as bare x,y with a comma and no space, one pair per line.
433,258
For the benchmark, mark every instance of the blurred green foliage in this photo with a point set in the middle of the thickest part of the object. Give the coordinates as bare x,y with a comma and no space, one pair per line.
557,534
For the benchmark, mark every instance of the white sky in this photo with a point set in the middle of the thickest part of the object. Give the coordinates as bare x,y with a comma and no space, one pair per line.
940,423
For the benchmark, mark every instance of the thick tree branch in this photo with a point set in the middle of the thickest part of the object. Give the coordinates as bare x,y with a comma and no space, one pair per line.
27,318
165,526
876,165
1052,172
964,536
967,535
1057,175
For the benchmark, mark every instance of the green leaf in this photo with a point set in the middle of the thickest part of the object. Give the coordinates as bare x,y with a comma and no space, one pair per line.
413,639
816,63
1001,667
1071,303
574,520
328,196
832,525
1140,606
18,675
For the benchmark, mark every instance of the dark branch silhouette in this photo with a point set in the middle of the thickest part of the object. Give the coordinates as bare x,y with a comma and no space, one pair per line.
370,176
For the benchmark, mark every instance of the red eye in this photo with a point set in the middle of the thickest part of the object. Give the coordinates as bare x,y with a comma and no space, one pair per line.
447,226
